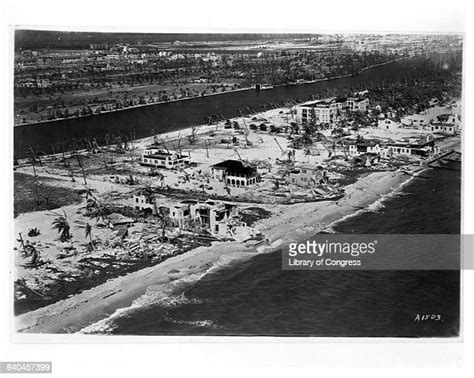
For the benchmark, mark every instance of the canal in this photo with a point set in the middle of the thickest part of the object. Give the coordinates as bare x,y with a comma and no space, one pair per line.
165,117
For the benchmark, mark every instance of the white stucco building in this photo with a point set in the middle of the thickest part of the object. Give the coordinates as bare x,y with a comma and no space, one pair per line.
358,104
320,111
156,157
388,124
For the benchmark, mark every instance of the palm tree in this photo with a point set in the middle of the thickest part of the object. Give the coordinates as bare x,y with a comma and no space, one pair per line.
61,224
95,209
81,165
87,231
35,182
164,220
21,241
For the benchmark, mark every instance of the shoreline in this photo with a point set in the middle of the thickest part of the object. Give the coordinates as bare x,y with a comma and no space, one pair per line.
124,293
136,107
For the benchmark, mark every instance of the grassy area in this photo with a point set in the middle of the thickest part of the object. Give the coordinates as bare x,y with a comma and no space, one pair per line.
50,195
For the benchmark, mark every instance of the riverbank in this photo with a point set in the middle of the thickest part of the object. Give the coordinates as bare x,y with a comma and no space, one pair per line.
124,293
209,95
138,106
148,120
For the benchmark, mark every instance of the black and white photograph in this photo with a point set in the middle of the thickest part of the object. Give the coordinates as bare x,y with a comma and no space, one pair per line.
251,184
158,176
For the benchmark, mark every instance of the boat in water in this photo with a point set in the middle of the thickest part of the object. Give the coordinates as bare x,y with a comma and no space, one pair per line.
261,87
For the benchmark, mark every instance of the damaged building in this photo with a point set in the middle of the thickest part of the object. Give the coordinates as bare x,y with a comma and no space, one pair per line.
422,147
364,146
142,202
235,173
213,215
306,175
446,124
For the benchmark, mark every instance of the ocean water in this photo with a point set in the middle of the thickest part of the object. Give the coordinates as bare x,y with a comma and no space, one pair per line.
257,297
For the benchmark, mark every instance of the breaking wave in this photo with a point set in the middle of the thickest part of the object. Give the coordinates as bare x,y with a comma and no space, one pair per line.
375,206
153,297
208,324
165,297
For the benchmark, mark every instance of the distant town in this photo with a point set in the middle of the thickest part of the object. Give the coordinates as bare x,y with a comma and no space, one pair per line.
64,81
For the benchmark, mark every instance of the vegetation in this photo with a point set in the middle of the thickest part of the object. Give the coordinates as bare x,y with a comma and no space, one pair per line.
61,224
33,232
50,194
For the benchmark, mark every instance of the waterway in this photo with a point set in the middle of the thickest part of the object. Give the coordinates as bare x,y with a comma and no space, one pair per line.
165,117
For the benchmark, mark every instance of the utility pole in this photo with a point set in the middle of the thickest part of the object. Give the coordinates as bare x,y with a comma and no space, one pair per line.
207,149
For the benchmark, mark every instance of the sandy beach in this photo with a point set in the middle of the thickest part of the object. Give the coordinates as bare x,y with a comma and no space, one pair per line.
85,311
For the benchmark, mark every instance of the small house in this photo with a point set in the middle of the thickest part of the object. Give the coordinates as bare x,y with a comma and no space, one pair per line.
444,128
306,175
420,147
363,146
447,118
144,203
388,124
